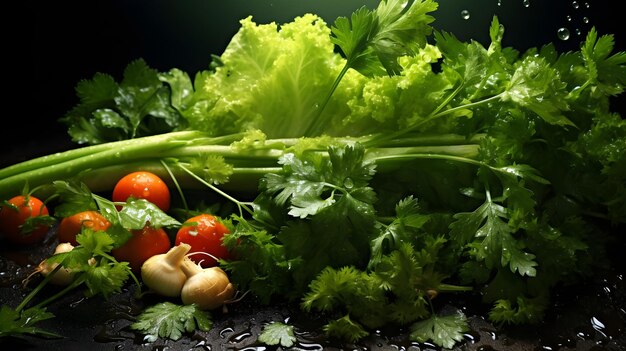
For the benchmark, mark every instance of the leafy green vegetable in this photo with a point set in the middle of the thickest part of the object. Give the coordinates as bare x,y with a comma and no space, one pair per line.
385,163
14,323
91,265
171,321
442,330
108,111
277,333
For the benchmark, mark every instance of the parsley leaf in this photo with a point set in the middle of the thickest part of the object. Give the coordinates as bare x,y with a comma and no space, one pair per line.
20,323
277,333
346,329
312,183
171,321
442,330
373,40
495,242
110,111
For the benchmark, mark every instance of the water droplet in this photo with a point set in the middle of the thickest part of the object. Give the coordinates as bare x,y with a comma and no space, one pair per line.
75,303
587,5
563,33
499,2
526,3
578,31
237,338
575,4
465,14
226,331
598,326
585,19
348,183
568,18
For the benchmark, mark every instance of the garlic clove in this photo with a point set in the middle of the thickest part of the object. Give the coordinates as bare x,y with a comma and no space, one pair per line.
162,273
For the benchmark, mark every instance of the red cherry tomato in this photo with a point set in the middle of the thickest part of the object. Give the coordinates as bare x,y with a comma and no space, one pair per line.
205,235
24,220
72,225
144,244
142,185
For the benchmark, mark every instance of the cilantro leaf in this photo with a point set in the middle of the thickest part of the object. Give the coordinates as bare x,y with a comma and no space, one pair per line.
605,71
313,183
346,329
372,41
110,111
18,324
408,219
523,311
106,279
537,86
277,333
75,197
137,213
442,330
171,321
495,243
212,168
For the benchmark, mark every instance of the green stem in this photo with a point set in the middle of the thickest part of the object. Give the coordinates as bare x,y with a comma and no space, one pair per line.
62,157
453,288
176,184
139,149
319,121
75,283
466,106
382,139
38,288
466,152
239,204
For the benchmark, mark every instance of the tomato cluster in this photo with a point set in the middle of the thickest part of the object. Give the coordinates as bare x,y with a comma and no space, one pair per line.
22,222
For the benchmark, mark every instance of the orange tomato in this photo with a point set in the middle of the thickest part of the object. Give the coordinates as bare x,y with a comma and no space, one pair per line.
144,244
204,234
72,225
24,220
142,185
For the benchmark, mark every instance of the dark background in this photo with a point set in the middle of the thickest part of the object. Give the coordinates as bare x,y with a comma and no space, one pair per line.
58,43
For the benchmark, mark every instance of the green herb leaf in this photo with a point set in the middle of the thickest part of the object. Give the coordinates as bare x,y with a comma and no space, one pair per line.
346,329
171,321
137,213
20,324
442,330
277,333
373,40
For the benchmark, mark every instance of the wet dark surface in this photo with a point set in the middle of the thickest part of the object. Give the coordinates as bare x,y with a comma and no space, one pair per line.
78,39
590,316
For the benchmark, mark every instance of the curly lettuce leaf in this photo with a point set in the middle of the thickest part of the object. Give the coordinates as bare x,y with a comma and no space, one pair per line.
273,78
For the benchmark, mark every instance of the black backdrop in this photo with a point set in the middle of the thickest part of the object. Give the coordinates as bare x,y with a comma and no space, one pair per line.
62,42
